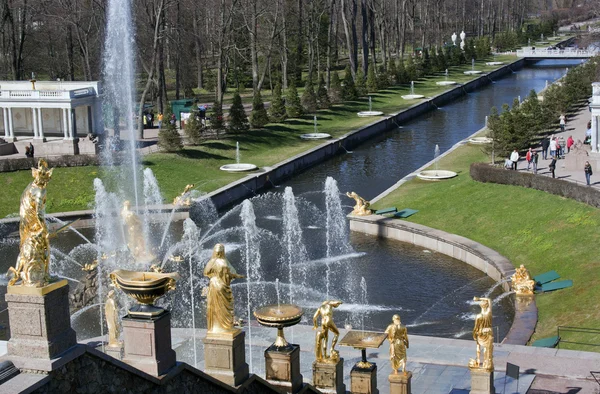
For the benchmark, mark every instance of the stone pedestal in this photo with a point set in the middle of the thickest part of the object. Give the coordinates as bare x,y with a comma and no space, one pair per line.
329,377
114,351
283,368
482,381
400,383
225,358
148,343
40,322
364,380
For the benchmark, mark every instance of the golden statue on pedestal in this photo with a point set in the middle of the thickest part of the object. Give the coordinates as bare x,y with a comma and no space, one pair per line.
484,337
184,199
322,337
397,335
219,310
134,232
34,257
362,206
521,281
111,311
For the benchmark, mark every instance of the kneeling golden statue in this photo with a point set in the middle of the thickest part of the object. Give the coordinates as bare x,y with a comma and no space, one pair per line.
362,206
521,281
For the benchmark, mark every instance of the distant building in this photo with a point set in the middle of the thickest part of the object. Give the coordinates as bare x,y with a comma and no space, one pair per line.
52,115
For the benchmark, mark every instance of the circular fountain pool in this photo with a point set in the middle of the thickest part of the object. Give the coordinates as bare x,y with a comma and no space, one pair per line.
239,167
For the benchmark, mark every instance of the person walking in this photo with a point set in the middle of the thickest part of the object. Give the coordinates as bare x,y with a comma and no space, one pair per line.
529,157
562,122
570,143
160,119
588,172
552,166
534,161
31,150
545,145
552,147
514,157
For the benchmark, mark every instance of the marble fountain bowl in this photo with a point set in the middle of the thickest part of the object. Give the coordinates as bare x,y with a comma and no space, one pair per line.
412,96
315,136
473,72
494,63
240,167
480,140
446,83
363,114
436,175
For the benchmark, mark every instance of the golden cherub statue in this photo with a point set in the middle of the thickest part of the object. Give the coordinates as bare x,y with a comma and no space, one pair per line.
134,233
111,311
184,198
483,336
219,310
34,258
398,338
521,281
322,337
362,206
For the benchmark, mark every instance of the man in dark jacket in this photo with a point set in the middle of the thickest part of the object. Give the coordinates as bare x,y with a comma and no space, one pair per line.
545,145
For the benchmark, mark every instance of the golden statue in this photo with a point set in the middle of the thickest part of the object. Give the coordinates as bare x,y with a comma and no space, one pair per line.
484,336
521,281
34,257
362,206
111,311
134,232
219,310
397,335
184,198
327,324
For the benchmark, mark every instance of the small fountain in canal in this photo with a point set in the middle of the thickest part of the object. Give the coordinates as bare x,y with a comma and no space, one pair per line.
315,135
445,82
436,174
472,71
238,167
412,95
370,112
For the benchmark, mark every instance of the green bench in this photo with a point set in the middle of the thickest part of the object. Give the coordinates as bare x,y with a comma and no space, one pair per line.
405,213
547,342
563,284
386,210
546,277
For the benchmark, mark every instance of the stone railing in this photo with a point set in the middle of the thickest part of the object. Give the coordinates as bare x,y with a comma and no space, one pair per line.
35,94
556,53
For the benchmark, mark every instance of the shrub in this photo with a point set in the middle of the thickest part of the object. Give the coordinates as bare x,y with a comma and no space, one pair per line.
216,117
238,121
401,74
382,78
168,136
348,88
258,117
392,71
293,106
360,83
335,88
193,128
371,80
309,98
277,109
322,96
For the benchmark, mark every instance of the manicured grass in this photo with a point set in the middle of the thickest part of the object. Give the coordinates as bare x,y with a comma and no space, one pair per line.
542,231
71,188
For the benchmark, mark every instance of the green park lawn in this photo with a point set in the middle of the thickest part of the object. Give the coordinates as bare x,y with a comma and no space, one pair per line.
543,231
71,188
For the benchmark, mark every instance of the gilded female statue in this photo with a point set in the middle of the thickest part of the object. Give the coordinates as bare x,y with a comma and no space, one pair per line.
111,311
483,336
397,335
219,311
134,232
34,257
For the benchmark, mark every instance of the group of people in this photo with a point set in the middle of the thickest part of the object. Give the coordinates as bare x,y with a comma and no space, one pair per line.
29,150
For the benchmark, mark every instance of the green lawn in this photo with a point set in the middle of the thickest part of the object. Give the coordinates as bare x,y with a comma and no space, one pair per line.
71,188
542,231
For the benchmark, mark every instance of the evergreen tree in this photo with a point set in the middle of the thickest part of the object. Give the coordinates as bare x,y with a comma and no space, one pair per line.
216,117
309,98
426,62
348,88
401,74
322,96
238,121
371,79
335,88
441,61
293,106
392,71
258,117
360,84
383,81
168,136
193,128
411,69
277,109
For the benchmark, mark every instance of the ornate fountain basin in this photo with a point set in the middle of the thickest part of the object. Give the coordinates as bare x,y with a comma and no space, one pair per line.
412,96
240,167
436,175
364,114
279,316
446,83
145,288
315,136
472,72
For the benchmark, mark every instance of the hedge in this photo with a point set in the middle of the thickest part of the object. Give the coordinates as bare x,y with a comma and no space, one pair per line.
483,172
26,163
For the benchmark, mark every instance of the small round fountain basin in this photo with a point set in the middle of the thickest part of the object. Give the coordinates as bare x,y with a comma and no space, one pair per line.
480,140
436,175
315,136
363,114
412,96
494,63
542,43
446,83
240,167
473,72
279,316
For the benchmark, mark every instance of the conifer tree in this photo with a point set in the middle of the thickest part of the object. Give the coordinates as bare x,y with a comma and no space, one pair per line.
348,88
411,69
371,79
277,109
168,136
335,88
383,81
401,74
258,117
216,117
309,98
360,83
193,128
392,71
293,106
322,96
238,121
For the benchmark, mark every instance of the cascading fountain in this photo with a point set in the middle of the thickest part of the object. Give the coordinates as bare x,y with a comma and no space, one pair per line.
295,251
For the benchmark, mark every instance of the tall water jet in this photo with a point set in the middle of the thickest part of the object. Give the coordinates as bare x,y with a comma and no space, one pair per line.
436,155
119,84
152,197
294,249
237,152
191,234
336,236
363,300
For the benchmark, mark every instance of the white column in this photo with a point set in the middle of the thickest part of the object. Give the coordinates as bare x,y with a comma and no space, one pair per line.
594,144
5,117
40,125
70,122
35,123
73,124
11,133
65,124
